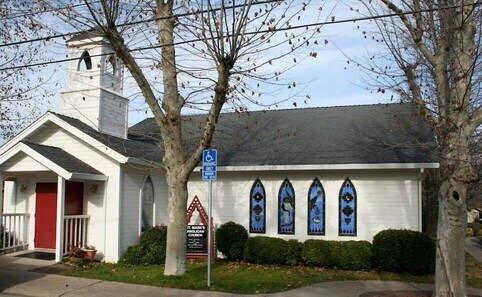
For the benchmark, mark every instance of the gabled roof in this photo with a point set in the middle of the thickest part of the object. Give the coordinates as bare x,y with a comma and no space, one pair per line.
132,148
364,134
344,137
119,149
55,159
62,158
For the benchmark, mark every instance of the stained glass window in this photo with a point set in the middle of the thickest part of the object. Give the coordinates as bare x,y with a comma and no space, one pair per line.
316,209
286,208
147,219
347,209
257,206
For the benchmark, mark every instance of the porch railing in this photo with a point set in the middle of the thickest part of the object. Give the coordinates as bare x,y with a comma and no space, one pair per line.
13,231
75,232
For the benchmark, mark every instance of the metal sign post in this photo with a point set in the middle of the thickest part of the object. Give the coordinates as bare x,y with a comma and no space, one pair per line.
209,174
210,243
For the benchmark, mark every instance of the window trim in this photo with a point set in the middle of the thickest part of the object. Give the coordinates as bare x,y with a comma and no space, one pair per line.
286,180
141,200
355,214
308,232
257,180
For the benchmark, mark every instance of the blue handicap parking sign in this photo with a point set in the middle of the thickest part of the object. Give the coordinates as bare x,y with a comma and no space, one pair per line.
209,166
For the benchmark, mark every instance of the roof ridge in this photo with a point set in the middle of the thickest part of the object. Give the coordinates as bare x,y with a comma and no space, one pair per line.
295,109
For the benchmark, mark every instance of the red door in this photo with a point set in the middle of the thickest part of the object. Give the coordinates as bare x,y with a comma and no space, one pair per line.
45,215
46,210
74,198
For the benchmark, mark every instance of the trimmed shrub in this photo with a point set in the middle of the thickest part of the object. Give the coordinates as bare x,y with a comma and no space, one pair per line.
133,256
155,235
354,255
319,253
231,239
150,251
293,252
265,250
154,254
349,255
404,251
476,227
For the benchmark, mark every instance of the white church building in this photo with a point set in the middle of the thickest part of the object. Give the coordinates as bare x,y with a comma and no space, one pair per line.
83,177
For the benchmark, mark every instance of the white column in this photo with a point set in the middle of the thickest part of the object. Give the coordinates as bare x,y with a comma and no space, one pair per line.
1,194
59,237
10,196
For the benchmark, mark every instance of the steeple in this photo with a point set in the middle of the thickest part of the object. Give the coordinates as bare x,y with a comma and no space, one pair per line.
94,92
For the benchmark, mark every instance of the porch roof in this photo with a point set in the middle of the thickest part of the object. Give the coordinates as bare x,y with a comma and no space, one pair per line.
57,160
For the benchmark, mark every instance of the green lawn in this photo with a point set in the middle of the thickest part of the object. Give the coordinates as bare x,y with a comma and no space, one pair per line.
249,279
235,278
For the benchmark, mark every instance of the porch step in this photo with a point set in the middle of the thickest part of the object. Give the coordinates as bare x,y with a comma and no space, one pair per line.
38,255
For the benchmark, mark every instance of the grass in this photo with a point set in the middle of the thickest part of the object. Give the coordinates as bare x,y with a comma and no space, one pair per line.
235,278
250,279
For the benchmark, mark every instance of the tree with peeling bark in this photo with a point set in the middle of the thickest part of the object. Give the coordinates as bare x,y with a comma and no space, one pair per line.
435,46
201,55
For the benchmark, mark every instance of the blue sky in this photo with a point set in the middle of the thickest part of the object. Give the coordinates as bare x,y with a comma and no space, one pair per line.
327,79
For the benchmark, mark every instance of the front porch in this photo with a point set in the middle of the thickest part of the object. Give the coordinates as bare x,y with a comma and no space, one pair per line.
47,192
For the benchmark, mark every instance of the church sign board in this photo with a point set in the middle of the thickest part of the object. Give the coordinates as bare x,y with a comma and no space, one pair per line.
197,239
197,233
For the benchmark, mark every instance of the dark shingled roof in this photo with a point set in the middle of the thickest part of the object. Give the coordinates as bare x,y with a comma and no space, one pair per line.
128,147
62,158
364,134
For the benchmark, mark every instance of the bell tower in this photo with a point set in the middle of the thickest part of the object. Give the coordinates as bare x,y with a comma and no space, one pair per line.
94,92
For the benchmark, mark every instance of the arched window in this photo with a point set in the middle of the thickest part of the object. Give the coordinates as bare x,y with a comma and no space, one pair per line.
110,65
85,62
257,208
286,208
147,205
316,209
347,209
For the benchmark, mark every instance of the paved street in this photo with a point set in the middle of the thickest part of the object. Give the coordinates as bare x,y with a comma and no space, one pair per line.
17,280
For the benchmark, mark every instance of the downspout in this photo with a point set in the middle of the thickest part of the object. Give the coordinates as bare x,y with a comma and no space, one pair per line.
420,212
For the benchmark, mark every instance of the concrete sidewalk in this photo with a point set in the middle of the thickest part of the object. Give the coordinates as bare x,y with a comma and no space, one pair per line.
23,283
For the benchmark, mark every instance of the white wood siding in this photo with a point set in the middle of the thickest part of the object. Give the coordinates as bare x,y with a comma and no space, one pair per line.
102,205
133,181
385,199
22,163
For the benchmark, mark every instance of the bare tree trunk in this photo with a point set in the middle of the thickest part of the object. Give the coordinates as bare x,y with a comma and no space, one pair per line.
456,173
176,228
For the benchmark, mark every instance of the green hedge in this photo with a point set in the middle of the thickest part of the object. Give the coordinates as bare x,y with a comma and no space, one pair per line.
269,250
150,251
354,255
319,253
349,255
404,251
231,239
293,252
